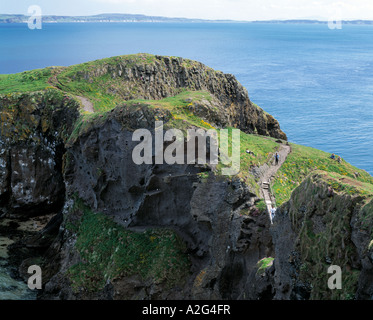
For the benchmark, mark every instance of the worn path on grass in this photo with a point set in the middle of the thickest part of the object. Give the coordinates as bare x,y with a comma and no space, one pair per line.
86,103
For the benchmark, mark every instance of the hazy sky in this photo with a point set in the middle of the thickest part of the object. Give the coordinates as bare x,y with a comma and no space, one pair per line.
206,9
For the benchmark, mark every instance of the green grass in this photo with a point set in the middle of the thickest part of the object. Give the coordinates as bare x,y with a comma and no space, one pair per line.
263,148
96,92
103,89
84,123
304,160
177,104
263,264
181,117
27,81
108,251
261,205
341,183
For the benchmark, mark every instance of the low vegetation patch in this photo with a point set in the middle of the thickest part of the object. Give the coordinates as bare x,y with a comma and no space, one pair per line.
26,81
108,251
264,264
304,160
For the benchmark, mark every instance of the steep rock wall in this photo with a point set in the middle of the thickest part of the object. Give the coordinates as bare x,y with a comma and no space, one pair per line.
34,128
204,212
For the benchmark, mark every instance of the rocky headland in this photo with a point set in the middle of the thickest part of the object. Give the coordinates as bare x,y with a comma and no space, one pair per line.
125,231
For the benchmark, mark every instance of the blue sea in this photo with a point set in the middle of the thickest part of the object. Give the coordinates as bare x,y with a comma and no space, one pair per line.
317,82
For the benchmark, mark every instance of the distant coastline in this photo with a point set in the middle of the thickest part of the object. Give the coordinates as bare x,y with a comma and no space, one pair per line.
105,18
130,18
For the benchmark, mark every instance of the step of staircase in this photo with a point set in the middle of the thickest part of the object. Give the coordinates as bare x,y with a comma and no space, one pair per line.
265,185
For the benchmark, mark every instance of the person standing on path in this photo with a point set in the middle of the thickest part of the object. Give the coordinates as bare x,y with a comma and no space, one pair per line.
273,212
277,157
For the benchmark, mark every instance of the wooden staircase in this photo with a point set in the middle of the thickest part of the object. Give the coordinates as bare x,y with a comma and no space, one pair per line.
268,198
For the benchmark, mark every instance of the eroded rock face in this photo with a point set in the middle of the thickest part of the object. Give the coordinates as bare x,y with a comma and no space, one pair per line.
4,175
33,132
31,179
36,183
223,246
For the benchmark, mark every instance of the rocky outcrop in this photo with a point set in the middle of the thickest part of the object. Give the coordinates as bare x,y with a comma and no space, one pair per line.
151,77
204,211
318,227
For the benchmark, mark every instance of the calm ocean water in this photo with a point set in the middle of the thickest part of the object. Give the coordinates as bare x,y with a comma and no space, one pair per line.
317,82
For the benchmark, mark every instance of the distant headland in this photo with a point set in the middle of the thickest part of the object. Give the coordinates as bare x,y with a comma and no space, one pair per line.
119,17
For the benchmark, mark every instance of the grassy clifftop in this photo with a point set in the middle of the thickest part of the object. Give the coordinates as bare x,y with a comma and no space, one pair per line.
191,94
107,83
304,160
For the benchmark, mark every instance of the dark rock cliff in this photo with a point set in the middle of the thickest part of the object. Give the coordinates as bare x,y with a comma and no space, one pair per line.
222,245
34,128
